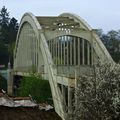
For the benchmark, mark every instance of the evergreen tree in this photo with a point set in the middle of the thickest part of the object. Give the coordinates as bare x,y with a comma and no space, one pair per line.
13,28
12,32
8,31
112,42
4,23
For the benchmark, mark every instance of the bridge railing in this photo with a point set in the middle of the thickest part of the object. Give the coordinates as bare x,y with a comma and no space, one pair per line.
71,71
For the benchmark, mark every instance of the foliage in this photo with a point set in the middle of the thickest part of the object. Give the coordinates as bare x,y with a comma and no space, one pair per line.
4,16
8,32
4,22
98,96
112,42
3,54
35,86
3,83
12,33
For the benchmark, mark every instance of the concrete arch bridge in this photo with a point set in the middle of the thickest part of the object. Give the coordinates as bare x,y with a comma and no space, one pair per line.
60,48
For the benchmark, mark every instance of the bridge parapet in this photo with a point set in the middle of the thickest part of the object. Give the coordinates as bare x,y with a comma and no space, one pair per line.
74,71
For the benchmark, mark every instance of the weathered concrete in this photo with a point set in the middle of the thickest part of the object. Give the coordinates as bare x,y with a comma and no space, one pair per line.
60,48
10,80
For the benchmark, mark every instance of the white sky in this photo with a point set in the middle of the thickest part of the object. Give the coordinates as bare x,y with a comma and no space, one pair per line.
104,14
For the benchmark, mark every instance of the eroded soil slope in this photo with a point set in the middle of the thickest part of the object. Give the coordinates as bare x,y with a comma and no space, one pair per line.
20,113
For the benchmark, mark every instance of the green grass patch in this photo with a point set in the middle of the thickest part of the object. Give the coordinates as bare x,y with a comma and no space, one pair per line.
37,87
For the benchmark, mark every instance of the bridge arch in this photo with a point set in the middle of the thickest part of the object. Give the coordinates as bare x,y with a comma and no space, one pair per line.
41,45
29,33
77,18
68,50
97,43
60,48
31,19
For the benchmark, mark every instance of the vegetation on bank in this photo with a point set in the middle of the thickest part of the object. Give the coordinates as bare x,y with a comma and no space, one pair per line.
35,86
3,84
98,96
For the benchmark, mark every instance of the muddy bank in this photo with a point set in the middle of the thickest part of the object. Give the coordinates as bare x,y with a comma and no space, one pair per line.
22,113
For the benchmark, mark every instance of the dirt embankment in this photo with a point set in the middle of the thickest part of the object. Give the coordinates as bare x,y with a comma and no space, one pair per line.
21,113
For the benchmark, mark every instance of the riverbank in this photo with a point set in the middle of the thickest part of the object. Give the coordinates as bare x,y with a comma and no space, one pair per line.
24,113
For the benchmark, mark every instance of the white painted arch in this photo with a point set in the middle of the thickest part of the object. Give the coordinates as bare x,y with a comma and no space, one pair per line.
85,31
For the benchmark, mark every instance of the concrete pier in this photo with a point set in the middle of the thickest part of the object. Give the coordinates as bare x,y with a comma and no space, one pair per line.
10,80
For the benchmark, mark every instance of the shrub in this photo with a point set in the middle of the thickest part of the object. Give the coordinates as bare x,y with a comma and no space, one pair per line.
98,96
3,83
35,86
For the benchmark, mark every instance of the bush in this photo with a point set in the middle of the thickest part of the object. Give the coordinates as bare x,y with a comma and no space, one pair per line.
38,88
3,83
99,95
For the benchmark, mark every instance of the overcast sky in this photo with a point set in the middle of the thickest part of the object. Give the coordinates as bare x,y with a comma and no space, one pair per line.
104,14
